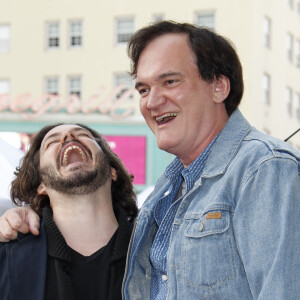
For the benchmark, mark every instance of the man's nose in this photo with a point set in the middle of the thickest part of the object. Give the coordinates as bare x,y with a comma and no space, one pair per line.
156,98
68,136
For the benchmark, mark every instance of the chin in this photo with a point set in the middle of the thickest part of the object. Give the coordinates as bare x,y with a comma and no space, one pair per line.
165,146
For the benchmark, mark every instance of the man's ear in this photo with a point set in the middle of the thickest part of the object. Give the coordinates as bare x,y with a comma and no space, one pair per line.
41,190
221,89
114,175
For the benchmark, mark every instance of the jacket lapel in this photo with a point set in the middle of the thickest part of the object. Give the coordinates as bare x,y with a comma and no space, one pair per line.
27,264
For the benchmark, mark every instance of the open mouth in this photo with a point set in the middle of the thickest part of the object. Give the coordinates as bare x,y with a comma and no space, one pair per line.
165,118
73,153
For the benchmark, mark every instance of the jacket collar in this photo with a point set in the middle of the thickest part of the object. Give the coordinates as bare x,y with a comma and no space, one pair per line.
58,248
123,234
226,145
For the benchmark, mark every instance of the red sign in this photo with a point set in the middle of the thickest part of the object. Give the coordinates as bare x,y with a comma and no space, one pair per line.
132,152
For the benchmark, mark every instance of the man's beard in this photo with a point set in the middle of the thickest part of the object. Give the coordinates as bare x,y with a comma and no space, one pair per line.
82,182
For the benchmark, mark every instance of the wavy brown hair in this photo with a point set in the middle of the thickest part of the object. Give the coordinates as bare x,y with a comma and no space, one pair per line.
24,186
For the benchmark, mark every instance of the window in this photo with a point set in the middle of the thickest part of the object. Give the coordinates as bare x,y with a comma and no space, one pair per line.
4,38
124,29
158,17
266,86
52,35
4,86
267,32
123,79
288,101
297,106
75,34
206,19
297,54
74,86
289,47
52,86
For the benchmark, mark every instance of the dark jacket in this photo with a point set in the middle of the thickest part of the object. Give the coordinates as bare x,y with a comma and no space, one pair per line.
23,264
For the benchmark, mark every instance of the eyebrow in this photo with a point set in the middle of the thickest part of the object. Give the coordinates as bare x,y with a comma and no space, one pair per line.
56,134
160,77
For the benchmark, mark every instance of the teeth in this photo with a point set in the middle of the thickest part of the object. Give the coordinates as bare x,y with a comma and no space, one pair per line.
65,158
161,118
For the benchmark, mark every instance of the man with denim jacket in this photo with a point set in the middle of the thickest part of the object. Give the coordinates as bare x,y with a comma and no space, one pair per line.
223,220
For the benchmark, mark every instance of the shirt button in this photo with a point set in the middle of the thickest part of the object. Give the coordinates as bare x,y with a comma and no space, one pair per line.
167,193
164,277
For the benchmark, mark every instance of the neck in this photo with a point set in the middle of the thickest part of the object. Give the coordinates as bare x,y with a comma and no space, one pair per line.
87,222
215,127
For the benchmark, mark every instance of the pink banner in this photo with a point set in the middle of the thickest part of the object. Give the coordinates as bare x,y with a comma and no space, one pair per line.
132,151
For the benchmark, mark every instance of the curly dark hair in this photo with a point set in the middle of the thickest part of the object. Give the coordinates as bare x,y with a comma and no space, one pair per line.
24,186
215,55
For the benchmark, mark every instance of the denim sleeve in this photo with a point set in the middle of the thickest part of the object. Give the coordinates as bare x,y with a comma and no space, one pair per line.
267,229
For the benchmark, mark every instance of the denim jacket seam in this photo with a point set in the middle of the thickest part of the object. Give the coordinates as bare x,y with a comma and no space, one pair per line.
267,159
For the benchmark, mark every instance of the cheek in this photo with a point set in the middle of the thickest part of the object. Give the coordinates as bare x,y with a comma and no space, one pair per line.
49,156
144,111
142,106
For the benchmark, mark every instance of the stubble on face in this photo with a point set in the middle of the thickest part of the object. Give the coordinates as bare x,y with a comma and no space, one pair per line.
82,182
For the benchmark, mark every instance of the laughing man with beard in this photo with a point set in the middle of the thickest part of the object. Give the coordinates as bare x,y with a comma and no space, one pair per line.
85,198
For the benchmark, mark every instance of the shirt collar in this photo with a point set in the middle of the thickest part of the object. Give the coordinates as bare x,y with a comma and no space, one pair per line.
57,246
193,171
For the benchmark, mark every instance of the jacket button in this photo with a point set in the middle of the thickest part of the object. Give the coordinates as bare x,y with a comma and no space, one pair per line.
201,227
164,277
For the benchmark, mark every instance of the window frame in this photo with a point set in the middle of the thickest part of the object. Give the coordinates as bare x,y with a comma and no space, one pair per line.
50,35
266,88
297,106
5,41
267,27
69,86
74,35
206,14
118,21
8,90
289,47
289,101
123,78
297,53
46,85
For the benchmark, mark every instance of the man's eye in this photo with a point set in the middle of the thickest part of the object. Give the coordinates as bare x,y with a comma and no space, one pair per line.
51,143
171,81
85,135
143,92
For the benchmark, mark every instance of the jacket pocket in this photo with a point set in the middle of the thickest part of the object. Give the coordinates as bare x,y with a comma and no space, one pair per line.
208,250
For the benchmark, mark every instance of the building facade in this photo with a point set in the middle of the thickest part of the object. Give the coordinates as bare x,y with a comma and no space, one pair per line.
63,60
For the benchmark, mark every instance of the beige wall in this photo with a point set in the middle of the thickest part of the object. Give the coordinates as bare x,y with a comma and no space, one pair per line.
28,62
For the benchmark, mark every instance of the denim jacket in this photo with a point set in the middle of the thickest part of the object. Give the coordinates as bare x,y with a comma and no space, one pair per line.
236,234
